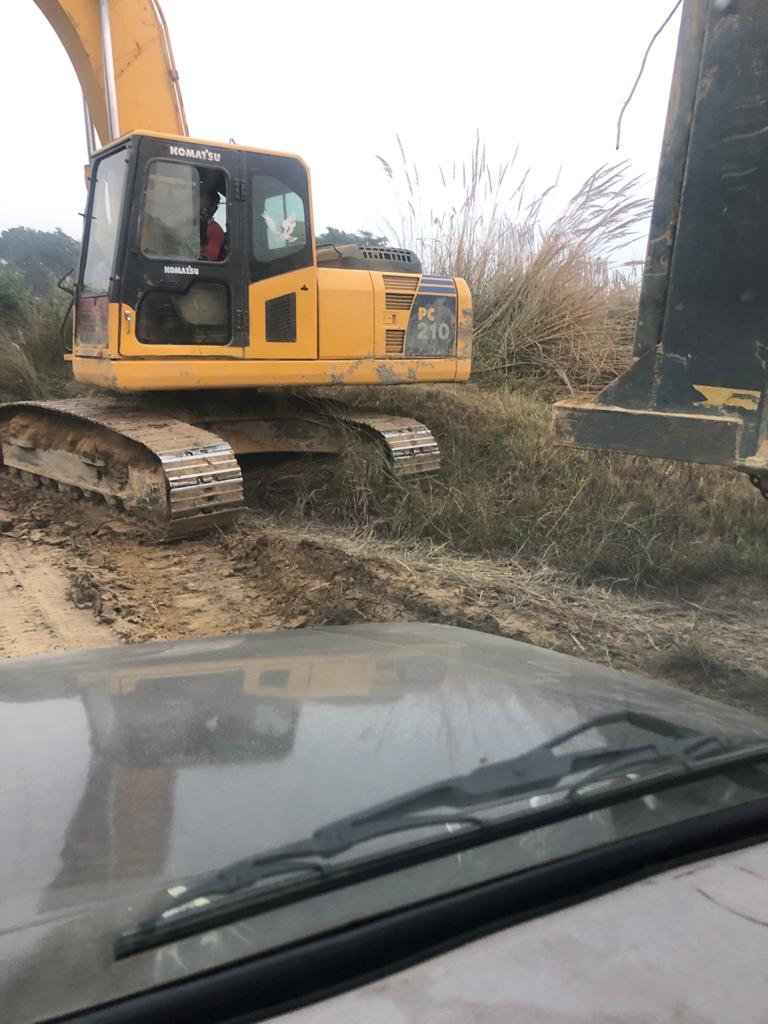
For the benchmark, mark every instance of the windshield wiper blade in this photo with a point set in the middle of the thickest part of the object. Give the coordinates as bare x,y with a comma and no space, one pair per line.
198,906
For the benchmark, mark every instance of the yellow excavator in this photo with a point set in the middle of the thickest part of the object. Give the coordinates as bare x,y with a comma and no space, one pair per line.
201,293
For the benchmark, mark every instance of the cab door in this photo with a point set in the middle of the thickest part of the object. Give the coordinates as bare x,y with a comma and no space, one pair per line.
282,293
185,280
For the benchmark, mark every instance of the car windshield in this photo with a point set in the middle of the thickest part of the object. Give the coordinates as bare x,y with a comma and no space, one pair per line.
205,741
183,738
496,799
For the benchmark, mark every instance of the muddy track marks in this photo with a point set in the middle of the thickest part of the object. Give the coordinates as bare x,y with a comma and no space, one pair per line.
36,615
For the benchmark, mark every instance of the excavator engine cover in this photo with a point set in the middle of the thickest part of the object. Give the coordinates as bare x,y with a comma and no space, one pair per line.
369,257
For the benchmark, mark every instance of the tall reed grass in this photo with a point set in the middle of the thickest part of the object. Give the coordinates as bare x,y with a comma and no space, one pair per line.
550,302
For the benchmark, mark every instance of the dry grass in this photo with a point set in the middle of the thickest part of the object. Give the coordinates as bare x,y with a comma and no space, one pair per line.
711,645
506,491
548,303
31,353
550,316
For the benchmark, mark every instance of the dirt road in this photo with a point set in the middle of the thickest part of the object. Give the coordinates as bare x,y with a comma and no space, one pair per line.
36,615
70,577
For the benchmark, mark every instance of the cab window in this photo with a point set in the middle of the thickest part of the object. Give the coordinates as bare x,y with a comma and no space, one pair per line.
279,220
108,188
200,316
185,213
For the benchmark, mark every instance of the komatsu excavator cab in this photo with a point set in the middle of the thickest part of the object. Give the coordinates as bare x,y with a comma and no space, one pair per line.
154,311
144,251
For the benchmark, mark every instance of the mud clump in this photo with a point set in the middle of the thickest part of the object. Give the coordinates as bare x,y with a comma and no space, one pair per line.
84,593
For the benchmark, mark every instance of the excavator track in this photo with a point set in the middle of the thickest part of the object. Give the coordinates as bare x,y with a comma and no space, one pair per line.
410,445
186,480
174,471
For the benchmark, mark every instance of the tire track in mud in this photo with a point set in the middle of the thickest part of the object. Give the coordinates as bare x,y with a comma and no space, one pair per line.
36,616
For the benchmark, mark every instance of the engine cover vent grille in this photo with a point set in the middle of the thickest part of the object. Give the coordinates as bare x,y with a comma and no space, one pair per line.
280,315
387,255
399,300
402,282
394,342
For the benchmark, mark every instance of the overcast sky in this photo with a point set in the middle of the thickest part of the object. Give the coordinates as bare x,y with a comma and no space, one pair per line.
336,81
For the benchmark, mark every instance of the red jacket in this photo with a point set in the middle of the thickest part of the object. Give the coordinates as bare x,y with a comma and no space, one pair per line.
214,242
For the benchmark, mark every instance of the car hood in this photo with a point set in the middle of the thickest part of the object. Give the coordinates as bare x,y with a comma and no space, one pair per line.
125,770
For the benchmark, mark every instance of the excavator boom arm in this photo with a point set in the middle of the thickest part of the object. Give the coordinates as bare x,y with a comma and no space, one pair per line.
146,84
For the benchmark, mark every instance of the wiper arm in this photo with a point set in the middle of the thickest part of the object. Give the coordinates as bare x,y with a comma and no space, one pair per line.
196,907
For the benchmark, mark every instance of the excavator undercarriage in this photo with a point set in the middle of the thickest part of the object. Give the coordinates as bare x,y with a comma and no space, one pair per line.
175,464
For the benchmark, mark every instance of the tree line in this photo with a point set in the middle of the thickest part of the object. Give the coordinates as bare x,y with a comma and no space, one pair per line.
31,262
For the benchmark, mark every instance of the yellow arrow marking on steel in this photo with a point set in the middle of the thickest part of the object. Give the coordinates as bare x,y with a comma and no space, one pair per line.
728,396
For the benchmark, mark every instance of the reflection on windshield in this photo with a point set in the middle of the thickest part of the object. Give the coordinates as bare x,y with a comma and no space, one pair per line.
169,762
205,754
198,761
150,732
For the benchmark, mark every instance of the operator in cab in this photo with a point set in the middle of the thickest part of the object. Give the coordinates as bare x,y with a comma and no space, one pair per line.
212,237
